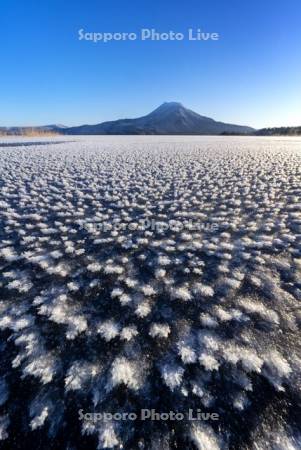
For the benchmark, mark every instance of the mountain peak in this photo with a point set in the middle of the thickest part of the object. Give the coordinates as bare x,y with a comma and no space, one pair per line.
168,108
172,104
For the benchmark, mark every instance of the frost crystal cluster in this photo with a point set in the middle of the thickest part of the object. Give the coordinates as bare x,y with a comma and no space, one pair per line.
130,316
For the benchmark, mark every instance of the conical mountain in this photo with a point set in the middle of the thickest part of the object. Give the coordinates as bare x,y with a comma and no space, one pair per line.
169,118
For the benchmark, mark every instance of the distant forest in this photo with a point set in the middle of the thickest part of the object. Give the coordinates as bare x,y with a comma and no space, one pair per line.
281,131
27,131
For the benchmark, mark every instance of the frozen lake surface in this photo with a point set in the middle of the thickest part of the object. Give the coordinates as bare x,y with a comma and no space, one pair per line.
150,272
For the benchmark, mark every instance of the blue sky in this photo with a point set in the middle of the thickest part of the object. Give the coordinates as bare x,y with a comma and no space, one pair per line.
252,75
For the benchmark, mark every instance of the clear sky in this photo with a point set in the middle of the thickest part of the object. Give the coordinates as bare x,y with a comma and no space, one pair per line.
251,76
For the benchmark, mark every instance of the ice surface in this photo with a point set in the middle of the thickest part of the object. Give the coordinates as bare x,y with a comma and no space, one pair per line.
151,272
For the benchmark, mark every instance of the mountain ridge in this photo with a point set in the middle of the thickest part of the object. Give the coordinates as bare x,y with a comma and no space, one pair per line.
168,118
